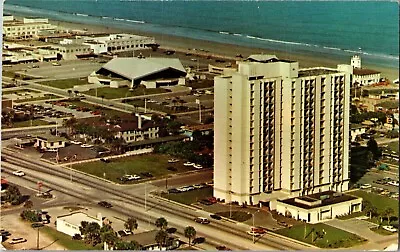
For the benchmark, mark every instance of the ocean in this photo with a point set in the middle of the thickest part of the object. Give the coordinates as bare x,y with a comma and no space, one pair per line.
339,28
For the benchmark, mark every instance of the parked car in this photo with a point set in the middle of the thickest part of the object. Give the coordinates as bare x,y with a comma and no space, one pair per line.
365,186
197,166
189,164
56,64
86,145
252,233
173,190
147,174
205,202
173,160
202,220
35,66
105,204
105,160
259,230
130,177
222,247
390,229
215,216
19,173
198,186
17,240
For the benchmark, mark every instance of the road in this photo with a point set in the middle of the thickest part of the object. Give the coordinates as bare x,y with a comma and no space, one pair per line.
133,200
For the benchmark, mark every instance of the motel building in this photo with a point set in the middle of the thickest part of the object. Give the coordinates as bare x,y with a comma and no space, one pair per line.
69,224
315,208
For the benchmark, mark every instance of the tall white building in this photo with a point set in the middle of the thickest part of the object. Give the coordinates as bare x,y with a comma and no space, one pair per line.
280,131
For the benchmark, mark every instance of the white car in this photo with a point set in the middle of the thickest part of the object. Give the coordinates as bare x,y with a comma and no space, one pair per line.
189,164
19,173
252,233
86,145
131,177
394,183
390,229
173,160
365,186
76,142
17,240
197,166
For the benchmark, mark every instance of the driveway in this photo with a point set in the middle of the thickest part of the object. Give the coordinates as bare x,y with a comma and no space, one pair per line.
358,227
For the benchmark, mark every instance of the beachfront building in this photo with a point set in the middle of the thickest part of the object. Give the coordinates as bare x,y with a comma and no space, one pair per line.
123,42
280,131
69,224
150,72
14,53
27,28
363,76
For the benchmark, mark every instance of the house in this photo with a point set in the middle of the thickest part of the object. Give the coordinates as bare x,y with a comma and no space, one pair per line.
151,72
137,129
147,241
363,76
317,207
356,130
49,142
69,224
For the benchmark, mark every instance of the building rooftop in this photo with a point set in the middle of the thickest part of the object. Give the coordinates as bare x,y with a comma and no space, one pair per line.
389,104
145,238
51,138
318,199
316,71
364,71
200,127
77,217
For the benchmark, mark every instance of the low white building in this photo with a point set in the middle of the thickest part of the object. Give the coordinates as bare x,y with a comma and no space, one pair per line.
70,51
362,76
124,42
28,28
356,130
318,207
69,224
49,142
137,130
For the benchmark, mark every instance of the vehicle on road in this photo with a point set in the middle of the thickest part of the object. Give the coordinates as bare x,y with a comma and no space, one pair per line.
105,160
216,216
37,225
197,166
105,204
173,160
390,229
198,240
19,173
365,186
201,220
189,164
130,177
258,230
222,247
56,64
252,233
17,240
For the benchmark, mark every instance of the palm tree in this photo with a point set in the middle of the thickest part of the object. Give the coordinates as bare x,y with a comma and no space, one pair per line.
161,238
76,92
123,245
69,92
131,224
388,212
190,233
161,223
108,236
102,98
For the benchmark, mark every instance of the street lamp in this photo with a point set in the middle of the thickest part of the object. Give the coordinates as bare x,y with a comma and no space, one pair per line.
253,214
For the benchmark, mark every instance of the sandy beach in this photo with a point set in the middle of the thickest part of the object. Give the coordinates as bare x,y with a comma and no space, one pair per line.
179,43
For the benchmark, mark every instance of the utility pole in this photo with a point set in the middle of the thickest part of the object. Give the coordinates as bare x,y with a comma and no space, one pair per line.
37,241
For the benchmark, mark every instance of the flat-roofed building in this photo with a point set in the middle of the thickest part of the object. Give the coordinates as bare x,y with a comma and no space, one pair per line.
69,224
318,207
124,42
280,130
363,76
73,51
50,142
28,28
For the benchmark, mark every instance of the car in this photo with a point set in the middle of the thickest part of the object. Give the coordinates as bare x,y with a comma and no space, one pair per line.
215,216
147,174
121,233
105,160
131,177
86,145
19,173
173,160
202,220
188,164
125,232
390,229
252,233
222,247
212,200
76,142
105,204
197,166
171,230
17,240
259,230
56,64
198,186
199,240
173,190
205,202
394,183
365,186
4,232
35,66
37,225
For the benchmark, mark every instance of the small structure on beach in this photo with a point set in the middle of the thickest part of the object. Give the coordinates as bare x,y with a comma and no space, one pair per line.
151,72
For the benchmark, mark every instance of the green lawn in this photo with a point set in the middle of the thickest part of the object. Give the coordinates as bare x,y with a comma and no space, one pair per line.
45,97
66,240
19,91
156,164
381,231
157,107
394,146
107,112
189,197
333,238
8,74
113,93
36,122
379,201
65,83
236,215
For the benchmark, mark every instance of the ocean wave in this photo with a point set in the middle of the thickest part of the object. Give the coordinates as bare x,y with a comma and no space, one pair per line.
135,21
80,14
222,32
105,17
332,48
119,19
237,34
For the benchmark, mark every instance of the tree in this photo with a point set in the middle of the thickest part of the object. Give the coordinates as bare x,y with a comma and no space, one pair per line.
12,195
123,245
69,92
108,236
161,238
91,231
70,123
369,209
388,212
190,233
28,204
131,224
161,223
30,215
373,147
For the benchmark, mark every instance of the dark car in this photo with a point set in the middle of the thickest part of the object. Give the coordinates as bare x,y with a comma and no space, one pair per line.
221,247
205,202
173,190
104,204
147,174
105,160
215,216
170,230
37,225
199,240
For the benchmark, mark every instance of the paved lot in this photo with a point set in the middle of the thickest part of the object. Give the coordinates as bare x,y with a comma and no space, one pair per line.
358,227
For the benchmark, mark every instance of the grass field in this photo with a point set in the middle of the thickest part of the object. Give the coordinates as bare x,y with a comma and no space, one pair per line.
189,197
108,112
381,231
65,83
45,97
66,240
236,215
113,93
394,146
156,164
36,122
333,238
379,201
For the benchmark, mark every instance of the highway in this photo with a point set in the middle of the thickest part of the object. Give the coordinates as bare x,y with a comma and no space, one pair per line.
133,201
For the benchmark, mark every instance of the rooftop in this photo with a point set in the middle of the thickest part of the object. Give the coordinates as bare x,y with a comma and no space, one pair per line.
389,104
318,199
364,71
77,217
51,138
145,238
316,71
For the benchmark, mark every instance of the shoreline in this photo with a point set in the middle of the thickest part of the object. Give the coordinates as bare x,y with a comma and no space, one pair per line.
305,59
